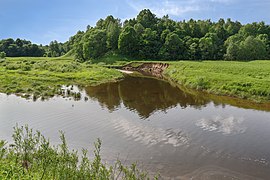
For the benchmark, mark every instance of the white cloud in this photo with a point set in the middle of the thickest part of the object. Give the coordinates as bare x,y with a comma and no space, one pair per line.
161,8
222,1
226,2
175,7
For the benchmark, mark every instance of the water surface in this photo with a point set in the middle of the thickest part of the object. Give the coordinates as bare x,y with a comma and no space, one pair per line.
179,133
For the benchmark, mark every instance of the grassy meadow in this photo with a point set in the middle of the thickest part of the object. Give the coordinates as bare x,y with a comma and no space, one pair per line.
247,80
31,156
43,77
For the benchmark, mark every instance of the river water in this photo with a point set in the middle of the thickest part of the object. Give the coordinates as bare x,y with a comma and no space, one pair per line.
179,133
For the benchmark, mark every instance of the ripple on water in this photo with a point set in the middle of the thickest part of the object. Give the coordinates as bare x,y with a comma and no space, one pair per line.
216,172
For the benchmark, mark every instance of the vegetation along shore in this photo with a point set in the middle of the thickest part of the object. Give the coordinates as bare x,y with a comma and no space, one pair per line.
32,156
43,77
145,37
224,58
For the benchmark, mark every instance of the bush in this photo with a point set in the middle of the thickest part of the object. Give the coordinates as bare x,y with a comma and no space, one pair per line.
2,55
31,156
13,66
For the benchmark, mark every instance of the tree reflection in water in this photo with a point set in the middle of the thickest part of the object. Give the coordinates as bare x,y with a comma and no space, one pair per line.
143,95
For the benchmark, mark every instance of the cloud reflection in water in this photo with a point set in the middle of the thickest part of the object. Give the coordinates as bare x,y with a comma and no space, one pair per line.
226,126
150,135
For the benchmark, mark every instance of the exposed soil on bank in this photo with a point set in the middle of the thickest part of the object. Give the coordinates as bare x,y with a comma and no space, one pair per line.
154,69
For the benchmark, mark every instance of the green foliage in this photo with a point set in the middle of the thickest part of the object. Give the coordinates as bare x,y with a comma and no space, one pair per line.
232,27
249,80
94,44
2,55
173,47
253,48
79,52
32,156
208,46
24,48
128,41
147,19
104,24
19,47
149,44
249,48
113,32
56,49
43,77
150,37
193,49
74,40
113,58
232,52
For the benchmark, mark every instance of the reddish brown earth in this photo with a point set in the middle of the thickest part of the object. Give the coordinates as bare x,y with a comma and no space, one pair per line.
154,69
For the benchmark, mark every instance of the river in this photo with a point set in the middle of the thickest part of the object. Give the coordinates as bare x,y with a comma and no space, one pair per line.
179,133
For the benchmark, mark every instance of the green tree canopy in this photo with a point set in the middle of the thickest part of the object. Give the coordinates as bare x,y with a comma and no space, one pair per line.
128,41
173,47
2,55
113,32
94,44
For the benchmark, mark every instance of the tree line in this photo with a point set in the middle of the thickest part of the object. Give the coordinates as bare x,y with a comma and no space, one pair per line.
150,37
24,48
19,47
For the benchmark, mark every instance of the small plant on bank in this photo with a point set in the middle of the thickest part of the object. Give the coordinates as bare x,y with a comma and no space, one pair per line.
31,156
2,55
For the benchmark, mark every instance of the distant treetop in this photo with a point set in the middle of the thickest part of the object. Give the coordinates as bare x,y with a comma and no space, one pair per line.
150,37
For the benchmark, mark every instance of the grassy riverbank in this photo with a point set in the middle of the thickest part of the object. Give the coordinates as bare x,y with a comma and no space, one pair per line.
248,80
43,77
31,156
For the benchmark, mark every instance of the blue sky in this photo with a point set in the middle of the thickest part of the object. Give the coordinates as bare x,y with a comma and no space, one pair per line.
42,21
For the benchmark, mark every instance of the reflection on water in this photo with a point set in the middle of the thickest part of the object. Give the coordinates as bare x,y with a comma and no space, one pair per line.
150,136
148,95
227,126
181,134
144,95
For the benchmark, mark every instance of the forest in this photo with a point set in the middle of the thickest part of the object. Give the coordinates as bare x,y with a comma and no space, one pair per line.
153,38
24,48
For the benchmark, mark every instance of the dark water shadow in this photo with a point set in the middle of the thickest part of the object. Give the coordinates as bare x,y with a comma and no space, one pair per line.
146,95
143,95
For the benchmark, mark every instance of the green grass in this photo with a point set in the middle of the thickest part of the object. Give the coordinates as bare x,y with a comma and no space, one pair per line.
113,58
43,77
31,156
247,80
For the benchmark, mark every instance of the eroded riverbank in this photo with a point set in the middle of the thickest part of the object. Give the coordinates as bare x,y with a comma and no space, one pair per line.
232,79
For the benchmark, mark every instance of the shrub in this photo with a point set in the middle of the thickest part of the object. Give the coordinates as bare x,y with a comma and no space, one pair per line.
2,55
31,156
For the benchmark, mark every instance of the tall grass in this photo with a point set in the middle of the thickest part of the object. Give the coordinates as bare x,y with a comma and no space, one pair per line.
43,77
31,156
248,80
